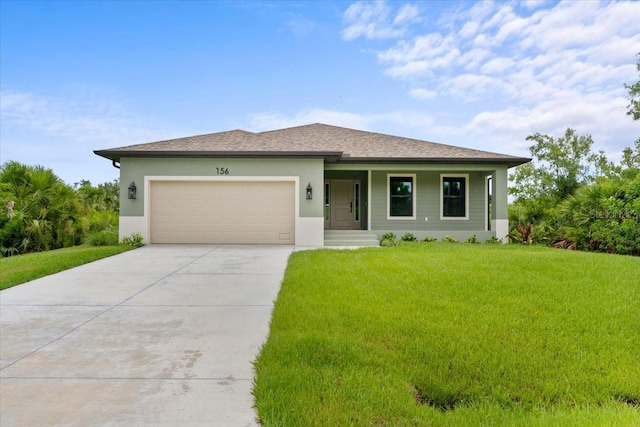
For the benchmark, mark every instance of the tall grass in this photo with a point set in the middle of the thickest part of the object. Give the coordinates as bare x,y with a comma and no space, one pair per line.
446,334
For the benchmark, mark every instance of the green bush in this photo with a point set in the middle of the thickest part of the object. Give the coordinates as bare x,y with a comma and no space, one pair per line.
135,240
103,238
408,237
12,237
429,239
603,217
493,240
473,239
102,221
388,239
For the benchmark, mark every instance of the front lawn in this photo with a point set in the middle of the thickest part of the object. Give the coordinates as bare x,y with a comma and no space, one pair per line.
453,335
19,269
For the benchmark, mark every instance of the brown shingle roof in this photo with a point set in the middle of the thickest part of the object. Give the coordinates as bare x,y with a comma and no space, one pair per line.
315,140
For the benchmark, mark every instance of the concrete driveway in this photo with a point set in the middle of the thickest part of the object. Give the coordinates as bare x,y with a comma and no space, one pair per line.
162,335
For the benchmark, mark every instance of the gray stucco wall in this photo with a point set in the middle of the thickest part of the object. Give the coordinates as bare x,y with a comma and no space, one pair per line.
136,169
428,203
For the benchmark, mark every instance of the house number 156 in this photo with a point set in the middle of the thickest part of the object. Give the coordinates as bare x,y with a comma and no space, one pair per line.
222,171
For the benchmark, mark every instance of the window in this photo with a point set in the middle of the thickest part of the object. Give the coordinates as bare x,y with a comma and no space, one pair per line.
402,201
327,201
357,202
454,196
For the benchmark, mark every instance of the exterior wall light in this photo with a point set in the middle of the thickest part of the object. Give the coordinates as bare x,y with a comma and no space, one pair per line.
309,192
132,190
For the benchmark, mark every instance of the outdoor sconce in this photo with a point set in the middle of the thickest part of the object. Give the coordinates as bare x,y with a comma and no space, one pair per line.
132,190
309,192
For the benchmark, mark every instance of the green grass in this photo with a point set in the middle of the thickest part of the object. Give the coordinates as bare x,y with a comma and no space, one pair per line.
19,269
453,335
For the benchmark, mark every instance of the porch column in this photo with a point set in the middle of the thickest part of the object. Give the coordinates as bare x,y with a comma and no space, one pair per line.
499,219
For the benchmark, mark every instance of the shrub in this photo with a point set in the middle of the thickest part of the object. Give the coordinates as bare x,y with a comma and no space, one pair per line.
449,239
430,239
102,221
388,239
103,238
493,240
134,240
603,217
409,237
473,239
11,235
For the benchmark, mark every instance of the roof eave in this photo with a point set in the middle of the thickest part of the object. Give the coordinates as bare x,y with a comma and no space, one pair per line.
509,161
328,156
115,155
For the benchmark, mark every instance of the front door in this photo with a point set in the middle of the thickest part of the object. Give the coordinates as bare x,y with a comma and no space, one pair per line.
345,204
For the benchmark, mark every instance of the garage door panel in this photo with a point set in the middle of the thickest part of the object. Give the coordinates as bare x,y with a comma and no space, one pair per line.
222,212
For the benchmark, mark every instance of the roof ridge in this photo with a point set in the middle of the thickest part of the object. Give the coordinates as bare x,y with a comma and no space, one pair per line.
440,144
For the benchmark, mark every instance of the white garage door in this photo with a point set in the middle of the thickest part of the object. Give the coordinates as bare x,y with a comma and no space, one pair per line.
222,212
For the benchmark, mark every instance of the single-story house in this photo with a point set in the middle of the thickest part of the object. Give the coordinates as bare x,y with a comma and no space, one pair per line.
312,185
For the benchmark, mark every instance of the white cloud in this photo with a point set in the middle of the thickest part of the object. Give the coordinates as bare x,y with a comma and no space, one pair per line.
373,20
90,118
497,65
526,67
394,122
425,54
534,4
369,20
471,87
596,114
40,130
270,120
469,29
423,93
408,13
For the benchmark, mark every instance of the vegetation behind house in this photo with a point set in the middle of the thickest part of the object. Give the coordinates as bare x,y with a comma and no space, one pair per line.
39,212
572,197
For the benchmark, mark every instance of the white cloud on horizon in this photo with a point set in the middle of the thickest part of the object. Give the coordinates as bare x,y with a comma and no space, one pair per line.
49,131
90,118
368,122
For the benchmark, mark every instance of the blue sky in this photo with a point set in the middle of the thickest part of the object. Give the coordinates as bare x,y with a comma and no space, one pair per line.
76,76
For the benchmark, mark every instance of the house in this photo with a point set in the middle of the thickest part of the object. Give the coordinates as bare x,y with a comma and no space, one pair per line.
313,185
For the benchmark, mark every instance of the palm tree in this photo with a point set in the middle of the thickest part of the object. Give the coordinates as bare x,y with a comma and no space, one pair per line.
46,213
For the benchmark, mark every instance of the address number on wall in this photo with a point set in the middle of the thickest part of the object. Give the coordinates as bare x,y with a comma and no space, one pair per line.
222,171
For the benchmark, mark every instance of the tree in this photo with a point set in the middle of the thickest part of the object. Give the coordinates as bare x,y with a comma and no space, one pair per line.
38,211
633,109
102,205
104,197
559,167
572,197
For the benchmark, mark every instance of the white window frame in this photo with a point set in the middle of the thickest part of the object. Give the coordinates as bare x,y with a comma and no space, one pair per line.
414,196
466,196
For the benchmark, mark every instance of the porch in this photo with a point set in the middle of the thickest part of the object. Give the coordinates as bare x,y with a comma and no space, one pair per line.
426,200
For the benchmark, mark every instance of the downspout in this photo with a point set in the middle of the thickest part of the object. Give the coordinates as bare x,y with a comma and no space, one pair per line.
113,162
